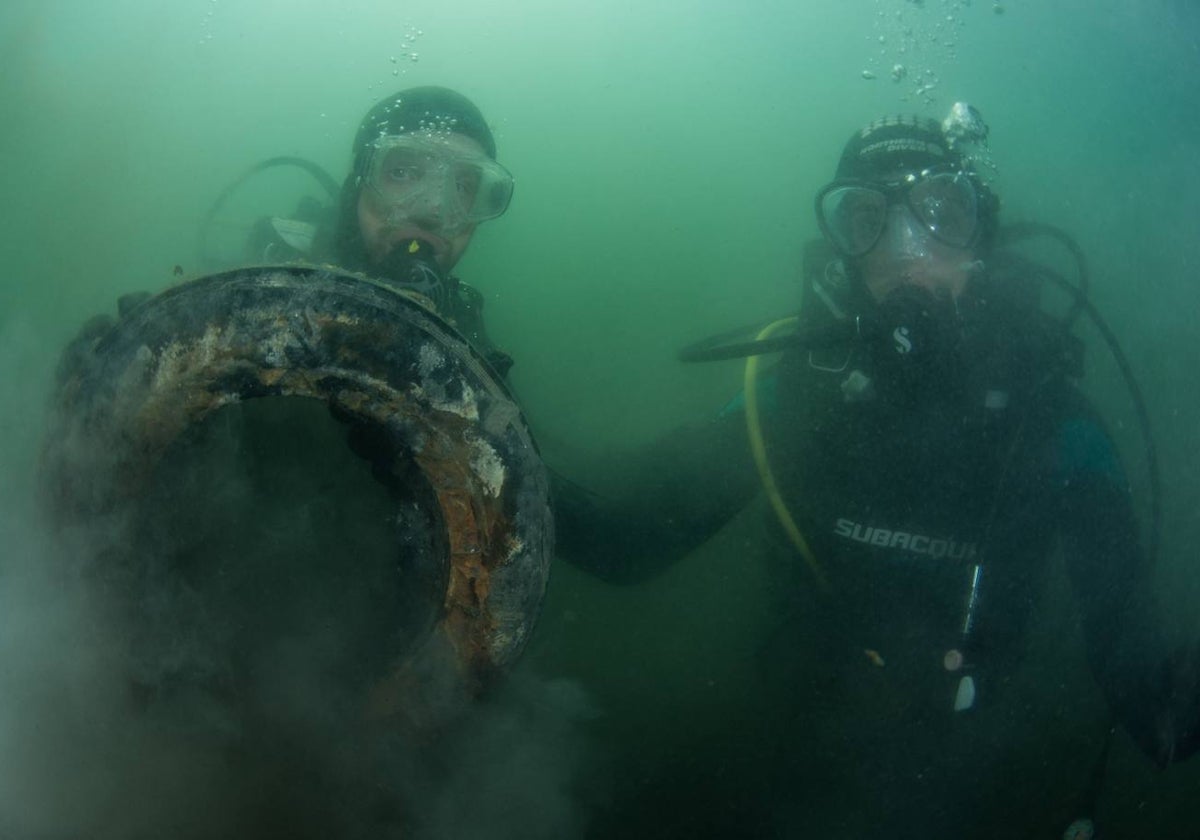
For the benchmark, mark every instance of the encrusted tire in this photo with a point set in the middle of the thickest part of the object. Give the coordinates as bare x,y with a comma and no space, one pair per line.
378,359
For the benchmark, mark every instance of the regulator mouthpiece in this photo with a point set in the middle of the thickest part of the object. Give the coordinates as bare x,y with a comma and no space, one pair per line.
412,266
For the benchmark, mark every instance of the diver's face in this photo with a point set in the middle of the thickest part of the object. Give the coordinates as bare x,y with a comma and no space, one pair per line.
908,255
426,218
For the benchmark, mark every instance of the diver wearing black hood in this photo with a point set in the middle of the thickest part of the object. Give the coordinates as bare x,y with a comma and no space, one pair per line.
925,471
424,176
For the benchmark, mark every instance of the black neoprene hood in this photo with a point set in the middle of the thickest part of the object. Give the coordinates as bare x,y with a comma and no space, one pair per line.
422,108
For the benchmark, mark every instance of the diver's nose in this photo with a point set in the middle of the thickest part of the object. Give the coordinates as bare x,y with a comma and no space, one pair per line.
425,215
427,206
904,238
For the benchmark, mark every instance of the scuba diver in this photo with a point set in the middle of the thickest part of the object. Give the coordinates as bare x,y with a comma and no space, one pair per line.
924,451
424,176
311,508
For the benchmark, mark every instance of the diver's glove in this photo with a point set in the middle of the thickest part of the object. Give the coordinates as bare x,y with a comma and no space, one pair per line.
78,354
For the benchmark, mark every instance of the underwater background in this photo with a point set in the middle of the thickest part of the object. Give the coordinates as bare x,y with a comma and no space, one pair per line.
665,155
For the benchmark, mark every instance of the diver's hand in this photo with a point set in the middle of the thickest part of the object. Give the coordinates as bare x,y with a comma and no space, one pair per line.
79,352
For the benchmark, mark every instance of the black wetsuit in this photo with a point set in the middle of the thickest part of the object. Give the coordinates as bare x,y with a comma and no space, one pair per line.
933,509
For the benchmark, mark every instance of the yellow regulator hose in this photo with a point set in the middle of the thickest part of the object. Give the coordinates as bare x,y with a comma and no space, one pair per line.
758,447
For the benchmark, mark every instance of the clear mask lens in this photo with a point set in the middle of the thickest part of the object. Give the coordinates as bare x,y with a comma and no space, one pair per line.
422,177
854,216
904,239
948,206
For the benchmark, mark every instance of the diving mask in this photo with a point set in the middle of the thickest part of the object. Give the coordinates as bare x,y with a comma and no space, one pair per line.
413,176
853,215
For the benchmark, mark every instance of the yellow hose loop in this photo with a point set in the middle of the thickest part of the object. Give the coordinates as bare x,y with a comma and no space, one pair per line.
758,448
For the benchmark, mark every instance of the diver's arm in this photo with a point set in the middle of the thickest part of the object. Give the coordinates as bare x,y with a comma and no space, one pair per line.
1146,691
668,500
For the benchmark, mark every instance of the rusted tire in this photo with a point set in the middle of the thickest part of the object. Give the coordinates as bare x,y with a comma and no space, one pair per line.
381,362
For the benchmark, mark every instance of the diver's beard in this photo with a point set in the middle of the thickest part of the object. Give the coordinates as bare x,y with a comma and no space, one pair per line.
940,282
885,272
412,265
398,236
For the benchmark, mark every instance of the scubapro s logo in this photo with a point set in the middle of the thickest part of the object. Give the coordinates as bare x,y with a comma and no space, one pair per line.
902,342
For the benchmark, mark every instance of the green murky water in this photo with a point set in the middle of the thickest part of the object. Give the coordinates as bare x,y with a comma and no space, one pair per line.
665,156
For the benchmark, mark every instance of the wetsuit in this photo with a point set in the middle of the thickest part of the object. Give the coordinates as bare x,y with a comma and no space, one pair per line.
934,506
